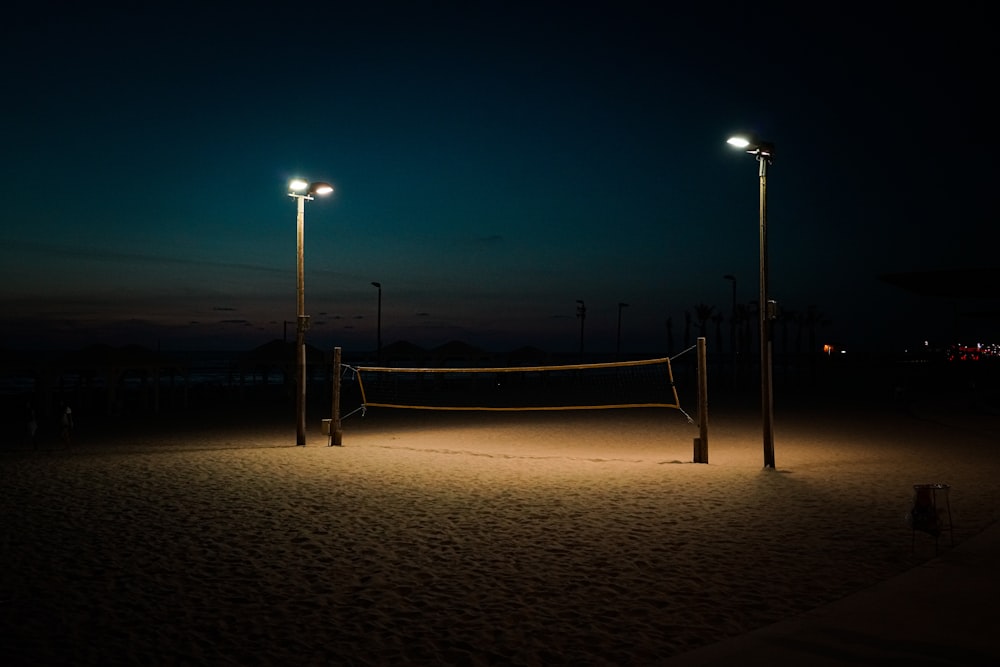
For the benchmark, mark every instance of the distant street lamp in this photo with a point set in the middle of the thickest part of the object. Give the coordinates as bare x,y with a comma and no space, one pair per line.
581,312
764,152
379,325
302,190
618,345
732,324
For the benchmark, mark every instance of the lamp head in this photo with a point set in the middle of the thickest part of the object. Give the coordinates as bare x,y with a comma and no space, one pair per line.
302,187
762,149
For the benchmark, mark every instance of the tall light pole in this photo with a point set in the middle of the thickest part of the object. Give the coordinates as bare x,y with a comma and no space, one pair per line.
301,191
581,312
732,324
378,338
618,344
764,152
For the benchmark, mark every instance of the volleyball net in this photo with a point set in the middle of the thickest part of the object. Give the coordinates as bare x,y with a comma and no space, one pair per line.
626,384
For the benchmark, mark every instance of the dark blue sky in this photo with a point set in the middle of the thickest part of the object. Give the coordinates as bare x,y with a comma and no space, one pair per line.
493,163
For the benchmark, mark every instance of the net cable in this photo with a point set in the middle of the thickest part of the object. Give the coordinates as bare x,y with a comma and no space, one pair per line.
646,383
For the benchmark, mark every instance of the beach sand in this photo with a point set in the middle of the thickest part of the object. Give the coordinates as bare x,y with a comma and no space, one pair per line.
583,538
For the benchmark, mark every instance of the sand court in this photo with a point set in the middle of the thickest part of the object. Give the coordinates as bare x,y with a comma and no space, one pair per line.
470,539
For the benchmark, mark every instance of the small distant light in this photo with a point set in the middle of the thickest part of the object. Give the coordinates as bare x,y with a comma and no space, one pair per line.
321,188
298,184
738,142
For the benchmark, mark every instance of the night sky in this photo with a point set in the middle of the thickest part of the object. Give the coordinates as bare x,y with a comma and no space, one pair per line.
493,163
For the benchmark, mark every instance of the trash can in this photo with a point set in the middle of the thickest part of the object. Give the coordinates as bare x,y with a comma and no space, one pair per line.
931,512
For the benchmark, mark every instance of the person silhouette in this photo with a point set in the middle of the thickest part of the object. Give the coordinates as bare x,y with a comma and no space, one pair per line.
31,425
66,425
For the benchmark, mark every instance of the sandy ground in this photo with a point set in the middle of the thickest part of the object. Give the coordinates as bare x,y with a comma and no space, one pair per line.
584,538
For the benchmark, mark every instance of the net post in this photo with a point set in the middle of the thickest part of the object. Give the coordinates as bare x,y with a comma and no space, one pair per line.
701,442
336,433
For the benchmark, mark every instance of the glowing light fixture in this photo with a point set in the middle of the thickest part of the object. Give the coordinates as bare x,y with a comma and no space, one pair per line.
752,145
297,186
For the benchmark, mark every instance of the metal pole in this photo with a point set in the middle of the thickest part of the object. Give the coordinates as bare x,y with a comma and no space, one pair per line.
379,325
732,327
701,442
300,329
766,392
618,340
336,429
618,344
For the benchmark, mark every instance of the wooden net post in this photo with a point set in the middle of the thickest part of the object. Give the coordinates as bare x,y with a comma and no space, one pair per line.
701,442
336,433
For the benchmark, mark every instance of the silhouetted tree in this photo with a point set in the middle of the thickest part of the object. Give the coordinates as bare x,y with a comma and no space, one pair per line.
743,320
787,317
718,319
800,322
751,325
814,319
807,323
704,314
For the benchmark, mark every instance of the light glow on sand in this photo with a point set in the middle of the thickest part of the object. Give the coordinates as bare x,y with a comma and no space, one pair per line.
448,539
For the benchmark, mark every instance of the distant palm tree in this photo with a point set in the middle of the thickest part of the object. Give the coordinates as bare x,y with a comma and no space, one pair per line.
800,324
704,314
718,319
814,319
743,321
808,322
787,317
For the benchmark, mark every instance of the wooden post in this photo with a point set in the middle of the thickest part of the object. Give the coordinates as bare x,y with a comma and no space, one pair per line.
336,434
701,442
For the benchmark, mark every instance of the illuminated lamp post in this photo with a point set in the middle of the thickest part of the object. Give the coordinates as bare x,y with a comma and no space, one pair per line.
301,191
732,324
764,152
618,344
378,335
